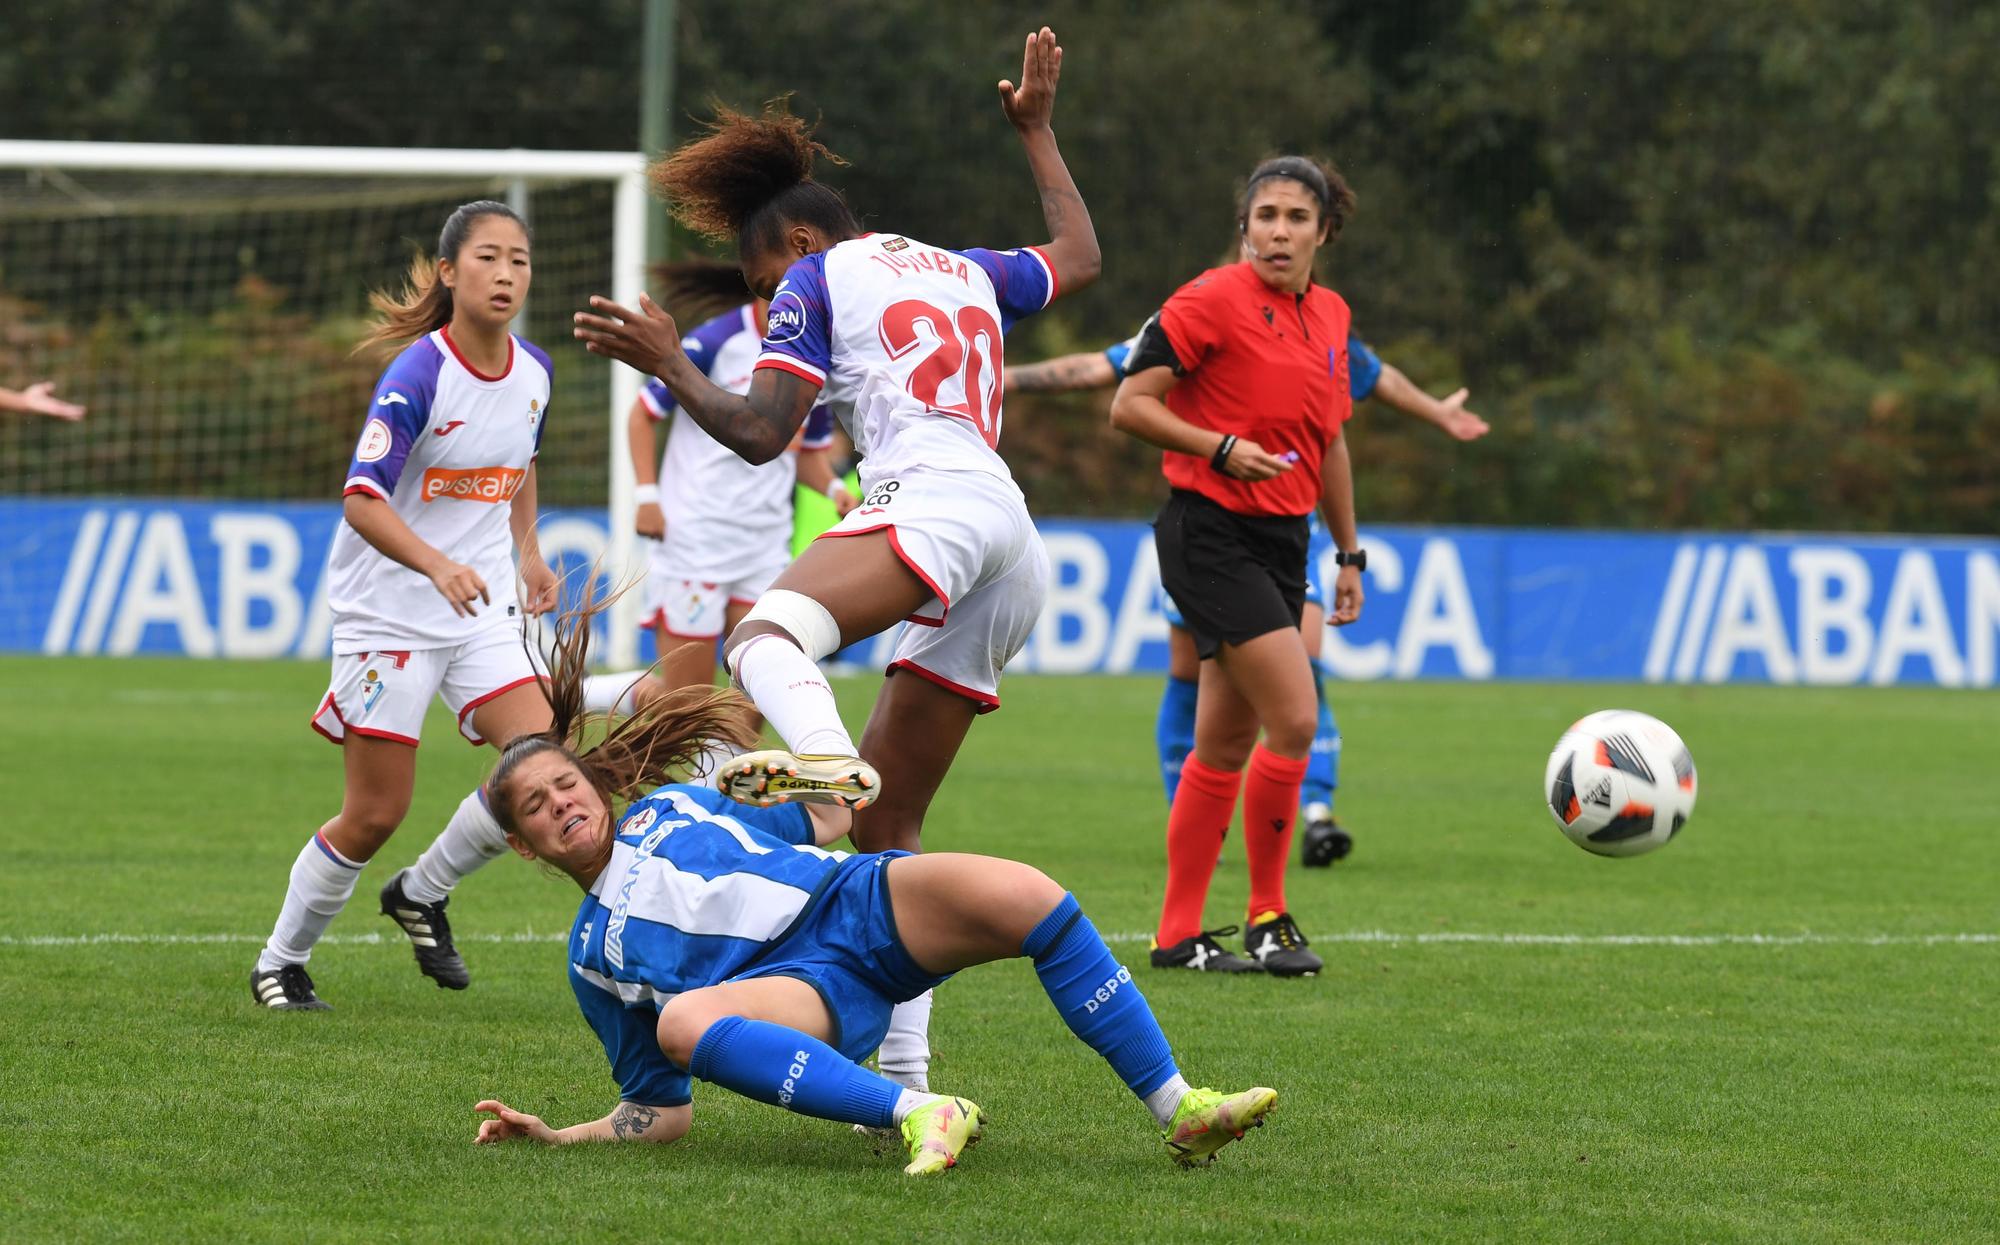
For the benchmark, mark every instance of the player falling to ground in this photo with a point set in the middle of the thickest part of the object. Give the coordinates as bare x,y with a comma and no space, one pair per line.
1324,840
903,340
421,581
724,942
719,528
1242,379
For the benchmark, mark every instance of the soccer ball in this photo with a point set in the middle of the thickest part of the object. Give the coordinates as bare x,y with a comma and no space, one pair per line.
1620,783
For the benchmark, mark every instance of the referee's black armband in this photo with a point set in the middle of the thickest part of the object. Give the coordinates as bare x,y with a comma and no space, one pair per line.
1152,349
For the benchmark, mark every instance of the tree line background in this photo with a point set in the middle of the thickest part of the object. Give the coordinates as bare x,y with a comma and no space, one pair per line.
1702,265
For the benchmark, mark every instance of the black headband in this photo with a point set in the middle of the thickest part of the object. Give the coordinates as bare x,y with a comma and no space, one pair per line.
1298,169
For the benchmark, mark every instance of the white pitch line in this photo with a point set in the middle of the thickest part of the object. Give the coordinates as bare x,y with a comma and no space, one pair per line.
1375,937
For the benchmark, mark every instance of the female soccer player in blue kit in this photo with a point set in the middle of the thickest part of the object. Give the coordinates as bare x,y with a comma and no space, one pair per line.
724,942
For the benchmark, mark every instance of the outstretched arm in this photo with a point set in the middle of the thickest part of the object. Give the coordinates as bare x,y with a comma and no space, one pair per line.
1072,250
628,1121
1090,370
1448,414
757,425
39,399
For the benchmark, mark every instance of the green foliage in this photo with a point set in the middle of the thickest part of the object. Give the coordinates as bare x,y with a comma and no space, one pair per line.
1701,265
1826,1091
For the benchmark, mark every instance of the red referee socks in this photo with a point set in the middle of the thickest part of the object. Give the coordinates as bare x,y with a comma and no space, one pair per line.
1270,806
1204,805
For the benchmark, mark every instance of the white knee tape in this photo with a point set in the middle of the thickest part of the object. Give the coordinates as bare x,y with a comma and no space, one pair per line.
800,617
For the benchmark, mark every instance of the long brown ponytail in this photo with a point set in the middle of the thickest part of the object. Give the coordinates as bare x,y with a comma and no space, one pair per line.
635,755
423,305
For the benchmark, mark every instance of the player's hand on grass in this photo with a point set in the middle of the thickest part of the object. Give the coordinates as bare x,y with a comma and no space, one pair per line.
460,585
1459,422
642,339
1251,461
650,522
1030,105
1346,596
510,1125
542,591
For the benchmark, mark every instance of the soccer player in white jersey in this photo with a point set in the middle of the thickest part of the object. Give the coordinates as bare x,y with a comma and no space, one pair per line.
439,499
903,339
725,943
719,528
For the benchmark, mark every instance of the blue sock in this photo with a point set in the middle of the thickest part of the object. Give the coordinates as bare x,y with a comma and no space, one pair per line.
1098,999
790,1069
1323,763
1173,731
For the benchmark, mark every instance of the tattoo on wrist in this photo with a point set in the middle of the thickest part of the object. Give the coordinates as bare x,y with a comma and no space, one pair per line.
632,1120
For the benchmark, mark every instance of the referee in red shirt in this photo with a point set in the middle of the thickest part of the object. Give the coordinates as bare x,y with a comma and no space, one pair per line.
1242,379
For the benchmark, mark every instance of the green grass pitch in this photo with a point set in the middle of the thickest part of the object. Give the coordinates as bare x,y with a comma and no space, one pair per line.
1839,1081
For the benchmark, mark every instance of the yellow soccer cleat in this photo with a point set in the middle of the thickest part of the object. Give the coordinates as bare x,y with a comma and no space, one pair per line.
775,776
1208,1120
938,1132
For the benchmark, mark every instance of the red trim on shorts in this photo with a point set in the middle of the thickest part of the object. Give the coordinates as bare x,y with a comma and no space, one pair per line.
470,705
363,731
743,600
896,544
658,618
444,331
987,704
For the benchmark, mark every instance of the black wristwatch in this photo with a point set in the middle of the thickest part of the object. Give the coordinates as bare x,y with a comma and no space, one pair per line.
1358,559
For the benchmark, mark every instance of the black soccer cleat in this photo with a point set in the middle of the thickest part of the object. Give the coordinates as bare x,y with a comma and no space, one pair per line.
1323,843
1274,939
1204,954
286,989
430,935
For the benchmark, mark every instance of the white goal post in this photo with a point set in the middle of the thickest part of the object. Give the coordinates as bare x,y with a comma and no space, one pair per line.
66,168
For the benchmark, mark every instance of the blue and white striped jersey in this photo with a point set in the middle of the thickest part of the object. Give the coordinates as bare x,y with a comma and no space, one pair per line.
697,887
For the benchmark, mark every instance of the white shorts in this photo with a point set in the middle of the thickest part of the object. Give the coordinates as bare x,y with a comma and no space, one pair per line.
697,609
967,535
384,694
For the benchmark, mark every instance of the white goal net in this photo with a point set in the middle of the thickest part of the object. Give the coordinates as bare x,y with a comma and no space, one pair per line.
203,303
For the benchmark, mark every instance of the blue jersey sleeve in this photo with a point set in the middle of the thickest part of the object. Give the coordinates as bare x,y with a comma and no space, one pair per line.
819,429
658,399
788,823
798,327
1023,281
549,370
701,347
397,416
631,1042
1121,353
1364,368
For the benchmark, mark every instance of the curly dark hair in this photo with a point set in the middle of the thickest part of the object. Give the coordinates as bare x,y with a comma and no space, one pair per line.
749,177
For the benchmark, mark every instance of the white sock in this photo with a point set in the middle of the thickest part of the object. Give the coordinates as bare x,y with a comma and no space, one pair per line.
611,693
908,1101
469,840
1165,1100
905,1055
710,759
792,694
322,881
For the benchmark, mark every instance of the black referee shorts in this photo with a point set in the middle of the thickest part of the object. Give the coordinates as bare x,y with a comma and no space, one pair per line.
1234,576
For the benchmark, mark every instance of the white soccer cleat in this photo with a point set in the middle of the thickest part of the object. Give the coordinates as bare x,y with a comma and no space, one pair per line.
774,776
